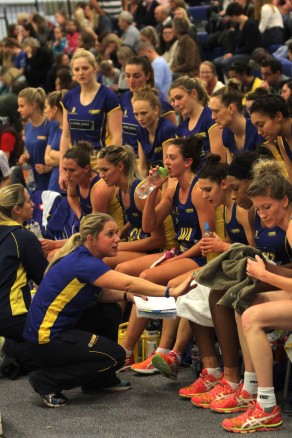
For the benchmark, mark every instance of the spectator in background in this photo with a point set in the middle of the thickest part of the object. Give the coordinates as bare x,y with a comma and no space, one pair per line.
180,12
7,76
108,11
9,106
270,22
27,31
149,35
149,19
208,76
246,37
38,63
5,171
168,43
123,54
272,75
162,17
87,41
187,55
64,79
15,51
130,34
61,60
109,47
42,28
110,75
60,41
61,19
162,73
242,71
72,36
138,9
286,93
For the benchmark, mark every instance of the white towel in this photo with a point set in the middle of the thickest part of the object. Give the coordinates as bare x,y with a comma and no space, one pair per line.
48,199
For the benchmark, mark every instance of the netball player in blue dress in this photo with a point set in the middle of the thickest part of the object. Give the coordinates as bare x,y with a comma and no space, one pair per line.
239,134
72,325
91,110
154,133
270,115
117,166
54,111
31,103
190,99
139,74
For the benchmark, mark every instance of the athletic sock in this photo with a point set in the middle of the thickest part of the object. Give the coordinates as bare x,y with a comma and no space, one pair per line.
250,382
266,399
129,353
162,350
216,372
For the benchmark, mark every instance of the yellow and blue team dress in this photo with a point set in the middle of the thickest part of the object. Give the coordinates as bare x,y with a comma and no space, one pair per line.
187,226
134,217
36,140
114,208
54,141
202,129
251,142
234,229
89,122
154,151
272,242
129,122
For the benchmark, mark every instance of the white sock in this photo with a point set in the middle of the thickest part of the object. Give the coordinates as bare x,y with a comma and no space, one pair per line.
129,353
162,350
233,385
216,372
266,399
250,382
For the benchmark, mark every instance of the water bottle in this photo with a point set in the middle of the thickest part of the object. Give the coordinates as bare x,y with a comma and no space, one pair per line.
28,175
35,229
197,363
148,185
152,337
209,233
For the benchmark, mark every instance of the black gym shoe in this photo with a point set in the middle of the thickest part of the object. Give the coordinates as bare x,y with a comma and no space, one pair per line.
54,400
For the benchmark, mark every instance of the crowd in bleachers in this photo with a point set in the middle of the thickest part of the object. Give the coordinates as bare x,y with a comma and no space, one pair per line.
90,105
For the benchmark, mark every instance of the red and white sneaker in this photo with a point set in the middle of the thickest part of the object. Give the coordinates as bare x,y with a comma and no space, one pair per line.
255,420
146,366
167,365
130,360
240,401
222,389
203,384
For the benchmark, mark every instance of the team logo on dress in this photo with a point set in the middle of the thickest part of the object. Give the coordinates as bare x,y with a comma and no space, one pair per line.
94,111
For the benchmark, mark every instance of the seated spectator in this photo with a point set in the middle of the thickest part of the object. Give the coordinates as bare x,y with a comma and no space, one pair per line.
241,71
168,43
270,21
208,76
61,60
59,42
61,19
272,75
149,35
73,29
64,80
110,74
8,75
187,55
124,53
27,30
22,260
286,93
162,17
162,73
87,41
180,12
92,18
109,46
9,106
42,28
138,10
130,34
14,49
246,38
250,98
38,63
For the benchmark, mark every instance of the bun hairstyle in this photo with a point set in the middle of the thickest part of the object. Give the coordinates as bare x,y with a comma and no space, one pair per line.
80,153
55,99
190,147
149,94
214,169
231,93
270,179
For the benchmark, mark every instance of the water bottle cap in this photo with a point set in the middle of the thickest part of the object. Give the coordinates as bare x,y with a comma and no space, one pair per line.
207,226
162,171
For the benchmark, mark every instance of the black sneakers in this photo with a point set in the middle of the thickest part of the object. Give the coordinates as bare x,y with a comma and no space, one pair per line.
54,400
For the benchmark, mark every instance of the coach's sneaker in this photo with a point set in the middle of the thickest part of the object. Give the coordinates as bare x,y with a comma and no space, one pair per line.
129,361
255,420
145,367
166,364
222,389
54,400
203,384
240,401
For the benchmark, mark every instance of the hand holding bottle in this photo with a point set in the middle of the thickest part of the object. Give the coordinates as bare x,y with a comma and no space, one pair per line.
156,178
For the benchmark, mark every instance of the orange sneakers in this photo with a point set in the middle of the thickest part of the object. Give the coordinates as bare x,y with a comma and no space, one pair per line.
203,384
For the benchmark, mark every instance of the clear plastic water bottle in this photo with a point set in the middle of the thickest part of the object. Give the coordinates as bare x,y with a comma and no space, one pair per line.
152,337
148,185
197,363
35,229
28,176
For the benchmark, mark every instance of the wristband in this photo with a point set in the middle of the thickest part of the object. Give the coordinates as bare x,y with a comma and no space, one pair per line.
167,292
125,296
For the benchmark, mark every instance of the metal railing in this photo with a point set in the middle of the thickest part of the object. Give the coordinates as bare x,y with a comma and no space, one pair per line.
47,8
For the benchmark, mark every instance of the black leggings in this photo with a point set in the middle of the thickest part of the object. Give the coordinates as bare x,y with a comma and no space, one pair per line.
78,357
